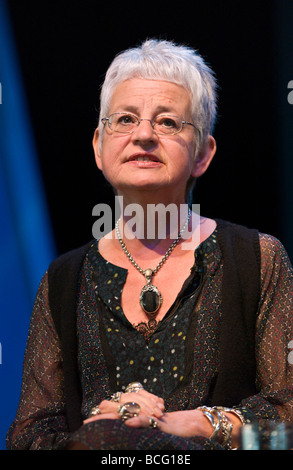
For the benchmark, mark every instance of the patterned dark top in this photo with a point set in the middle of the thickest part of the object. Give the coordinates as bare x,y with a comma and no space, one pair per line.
176,358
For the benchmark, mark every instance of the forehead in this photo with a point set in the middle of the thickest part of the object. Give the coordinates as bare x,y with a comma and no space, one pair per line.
150,94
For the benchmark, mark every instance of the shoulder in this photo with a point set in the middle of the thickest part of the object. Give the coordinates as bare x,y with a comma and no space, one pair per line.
238,239
71,258
270,243
270,247
273,253
242,231
64,272
63,277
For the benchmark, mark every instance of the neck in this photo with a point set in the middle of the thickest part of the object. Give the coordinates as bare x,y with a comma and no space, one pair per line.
152,222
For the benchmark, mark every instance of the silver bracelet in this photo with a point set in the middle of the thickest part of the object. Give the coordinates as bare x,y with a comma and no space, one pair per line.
222,429
211,419
207,411
227,428
234,411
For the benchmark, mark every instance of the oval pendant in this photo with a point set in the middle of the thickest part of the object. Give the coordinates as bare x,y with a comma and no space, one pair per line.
150,299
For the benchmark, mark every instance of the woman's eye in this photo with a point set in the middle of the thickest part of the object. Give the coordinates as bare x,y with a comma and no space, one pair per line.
126,119
167,122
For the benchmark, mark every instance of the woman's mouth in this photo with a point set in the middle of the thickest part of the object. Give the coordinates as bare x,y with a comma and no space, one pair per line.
144,160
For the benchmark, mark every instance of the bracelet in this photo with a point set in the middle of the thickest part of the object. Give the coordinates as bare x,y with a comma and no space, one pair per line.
211,419
234,411
227,428
222,429
216,425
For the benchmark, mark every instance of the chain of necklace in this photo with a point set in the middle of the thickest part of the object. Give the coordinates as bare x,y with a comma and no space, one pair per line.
150,297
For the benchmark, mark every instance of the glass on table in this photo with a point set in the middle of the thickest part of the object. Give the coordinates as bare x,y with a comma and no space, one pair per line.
267,435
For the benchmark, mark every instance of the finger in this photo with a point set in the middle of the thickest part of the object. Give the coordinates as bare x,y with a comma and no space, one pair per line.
157,400
105,407
143,421
101,416
145,400
148,407
108,406
150,395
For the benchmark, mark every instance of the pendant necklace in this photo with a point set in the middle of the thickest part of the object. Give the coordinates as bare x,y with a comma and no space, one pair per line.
150,296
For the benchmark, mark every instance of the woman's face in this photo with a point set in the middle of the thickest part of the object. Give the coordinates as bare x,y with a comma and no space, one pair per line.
144,160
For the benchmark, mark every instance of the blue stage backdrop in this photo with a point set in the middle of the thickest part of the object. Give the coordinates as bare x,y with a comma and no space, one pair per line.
26,242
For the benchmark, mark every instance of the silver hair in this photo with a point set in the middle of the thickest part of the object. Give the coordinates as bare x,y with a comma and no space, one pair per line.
165,60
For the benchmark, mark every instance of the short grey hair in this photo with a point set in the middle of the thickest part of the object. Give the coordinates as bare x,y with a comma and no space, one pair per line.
164,60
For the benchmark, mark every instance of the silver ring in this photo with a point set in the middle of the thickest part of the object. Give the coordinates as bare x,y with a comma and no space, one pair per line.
95,411
153,422
116,396
128,410
133,387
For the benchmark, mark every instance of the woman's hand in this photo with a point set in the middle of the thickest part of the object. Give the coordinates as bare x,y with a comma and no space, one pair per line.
150,405
187,423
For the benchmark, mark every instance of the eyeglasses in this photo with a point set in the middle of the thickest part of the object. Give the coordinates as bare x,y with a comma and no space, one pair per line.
126,123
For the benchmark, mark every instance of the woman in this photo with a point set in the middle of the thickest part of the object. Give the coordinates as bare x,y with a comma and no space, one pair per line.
165,346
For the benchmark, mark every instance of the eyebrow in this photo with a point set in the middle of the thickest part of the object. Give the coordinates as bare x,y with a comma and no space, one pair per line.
160,109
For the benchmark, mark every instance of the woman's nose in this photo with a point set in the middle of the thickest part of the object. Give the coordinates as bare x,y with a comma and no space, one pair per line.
145,132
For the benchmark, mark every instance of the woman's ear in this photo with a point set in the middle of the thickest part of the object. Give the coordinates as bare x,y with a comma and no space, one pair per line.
204,158
96,147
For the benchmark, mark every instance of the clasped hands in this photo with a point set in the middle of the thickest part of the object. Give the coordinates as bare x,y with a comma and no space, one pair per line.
187,423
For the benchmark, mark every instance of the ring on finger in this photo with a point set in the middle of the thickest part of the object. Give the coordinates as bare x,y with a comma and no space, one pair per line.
133,387
95,411
128,410
116,396
152,422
